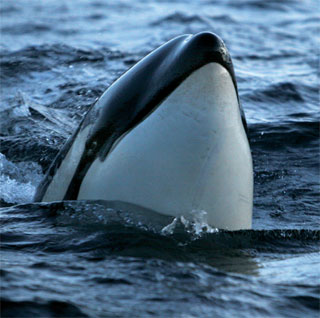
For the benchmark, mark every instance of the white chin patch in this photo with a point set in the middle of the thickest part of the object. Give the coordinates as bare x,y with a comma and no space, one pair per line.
191,153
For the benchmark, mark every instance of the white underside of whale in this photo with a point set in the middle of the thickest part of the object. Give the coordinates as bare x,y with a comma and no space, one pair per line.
190,154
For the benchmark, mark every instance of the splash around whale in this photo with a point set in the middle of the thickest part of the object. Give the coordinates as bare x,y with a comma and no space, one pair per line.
169,135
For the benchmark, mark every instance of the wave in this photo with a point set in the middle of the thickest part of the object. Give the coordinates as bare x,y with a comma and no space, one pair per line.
36,308
181,18
33,132
283,6
101,228
18,181
282,93
294,134
47,56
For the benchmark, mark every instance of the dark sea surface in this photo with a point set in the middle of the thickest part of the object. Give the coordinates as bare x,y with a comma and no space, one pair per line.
97,259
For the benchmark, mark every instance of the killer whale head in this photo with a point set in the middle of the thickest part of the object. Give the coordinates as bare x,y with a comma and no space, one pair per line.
169,134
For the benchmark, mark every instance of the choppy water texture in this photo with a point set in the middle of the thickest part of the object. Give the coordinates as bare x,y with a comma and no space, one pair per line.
100,259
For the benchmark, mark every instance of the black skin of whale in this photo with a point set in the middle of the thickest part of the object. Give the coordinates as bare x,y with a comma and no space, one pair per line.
135,95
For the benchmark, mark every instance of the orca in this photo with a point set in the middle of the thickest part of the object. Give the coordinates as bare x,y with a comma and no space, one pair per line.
169,135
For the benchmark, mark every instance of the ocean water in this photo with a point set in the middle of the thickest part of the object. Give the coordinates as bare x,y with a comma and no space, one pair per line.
98,259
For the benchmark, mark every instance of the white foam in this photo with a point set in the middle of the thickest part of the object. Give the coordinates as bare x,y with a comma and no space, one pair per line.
18,181
194,222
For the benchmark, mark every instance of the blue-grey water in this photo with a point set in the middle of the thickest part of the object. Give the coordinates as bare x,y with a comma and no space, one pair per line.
92,259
